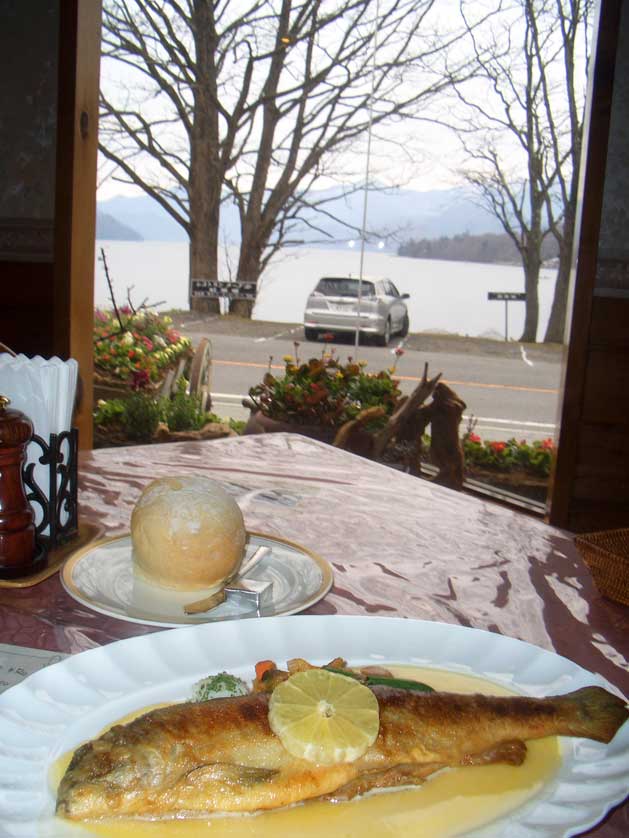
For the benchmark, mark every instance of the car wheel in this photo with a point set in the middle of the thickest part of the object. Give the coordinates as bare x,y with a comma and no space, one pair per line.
311,334
405,325
385,337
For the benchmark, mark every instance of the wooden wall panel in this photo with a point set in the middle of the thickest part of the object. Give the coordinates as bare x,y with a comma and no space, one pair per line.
588,489
606,392
600,490
46,295
610,322
27,293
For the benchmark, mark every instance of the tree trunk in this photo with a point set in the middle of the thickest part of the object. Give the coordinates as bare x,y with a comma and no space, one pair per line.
531,317
248,270
205,181
202,266
557,320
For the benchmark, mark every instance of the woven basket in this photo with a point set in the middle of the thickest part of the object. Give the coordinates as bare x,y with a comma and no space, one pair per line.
607,555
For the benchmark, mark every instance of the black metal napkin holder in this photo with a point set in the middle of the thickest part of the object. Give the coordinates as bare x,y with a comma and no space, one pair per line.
59,498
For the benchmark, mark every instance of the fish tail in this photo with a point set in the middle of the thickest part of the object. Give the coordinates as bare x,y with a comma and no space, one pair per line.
596,713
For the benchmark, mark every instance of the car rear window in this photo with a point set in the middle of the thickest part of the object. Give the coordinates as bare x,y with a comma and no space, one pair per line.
343,287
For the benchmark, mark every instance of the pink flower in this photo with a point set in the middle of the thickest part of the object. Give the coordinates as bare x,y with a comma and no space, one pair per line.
399,351
100,315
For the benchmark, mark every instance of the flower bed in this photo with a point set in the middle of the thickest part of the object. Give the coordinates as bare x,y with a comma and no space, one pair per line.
323,391
137,349
534,458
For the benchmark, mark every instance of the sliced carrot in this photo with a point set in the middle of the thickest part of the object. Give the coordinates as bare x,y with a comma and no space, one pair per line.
262,667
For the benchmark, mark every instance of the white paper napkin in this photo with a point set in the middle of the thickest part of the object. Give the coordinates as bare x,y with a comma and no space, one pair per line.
43,389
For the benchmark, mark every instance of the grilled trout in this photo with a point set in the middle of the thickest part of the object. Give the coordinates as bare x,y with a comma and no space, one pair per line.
221,755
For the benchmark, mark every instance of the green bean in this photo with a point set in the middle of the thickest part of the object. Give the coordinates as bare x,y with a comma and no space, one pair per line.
398,684
377,680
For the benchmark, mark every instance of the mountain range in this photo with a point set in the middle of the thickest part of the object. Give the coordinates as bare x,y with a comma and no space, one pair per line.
393,216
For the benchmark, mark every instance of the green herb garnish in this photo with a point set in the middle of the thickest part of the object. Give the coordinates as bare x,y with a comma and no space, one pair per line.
223,685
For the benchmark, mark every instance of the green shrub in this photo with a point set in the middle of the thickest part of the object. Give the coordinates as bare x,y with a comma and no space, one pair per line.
183,412
138,416
109,412
237,426
142,415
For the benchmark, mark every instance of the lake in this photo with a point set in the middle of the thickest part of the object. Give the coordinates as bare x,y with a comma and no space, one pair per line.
444,296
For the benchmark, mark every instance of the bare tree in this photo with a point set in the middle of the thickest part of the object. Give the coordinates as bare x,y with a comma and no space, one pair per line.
255,101
572,18
521,128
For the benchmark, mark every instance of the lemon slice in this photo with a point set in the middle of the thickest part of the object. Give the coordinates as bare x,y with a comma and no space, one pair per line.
324,717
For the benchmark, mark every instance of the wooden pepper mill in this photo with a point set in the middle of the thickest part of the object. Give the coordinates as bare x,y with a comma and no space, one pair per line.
19,554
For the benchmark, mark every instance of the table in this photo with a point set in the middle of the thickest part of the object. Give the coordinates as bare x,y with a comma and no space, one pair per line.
399,546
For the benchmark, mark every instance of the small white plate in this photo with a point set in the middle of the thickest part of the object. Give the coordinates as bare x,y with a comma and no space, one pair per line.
101,577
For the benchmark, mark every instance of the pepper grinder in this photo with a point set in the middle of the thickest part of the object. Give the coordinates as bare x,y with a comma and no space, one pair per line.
19,554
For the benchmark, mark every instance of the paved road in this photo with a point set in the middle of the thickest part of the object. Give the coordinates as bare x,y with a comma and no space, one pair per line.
507,396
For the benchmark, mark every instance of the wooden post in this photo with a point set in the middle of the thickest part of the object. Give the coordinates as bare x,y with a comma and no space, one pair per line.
75,202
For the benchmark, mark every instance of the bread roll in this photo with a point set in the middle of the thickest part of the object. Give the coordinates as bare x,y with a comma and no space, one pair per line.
187,533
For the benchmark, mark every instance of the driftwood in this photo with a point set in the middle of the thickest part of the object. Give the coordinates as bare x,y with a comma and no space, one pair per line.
354,437
408,424
446,452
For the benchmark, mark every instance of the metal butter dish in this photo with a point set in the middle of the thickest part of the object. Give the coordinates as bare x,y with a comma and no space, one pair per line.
251,592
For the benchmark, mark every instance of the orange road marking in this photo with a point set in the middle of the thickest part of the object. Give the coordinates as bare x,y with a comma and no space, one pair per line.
549,390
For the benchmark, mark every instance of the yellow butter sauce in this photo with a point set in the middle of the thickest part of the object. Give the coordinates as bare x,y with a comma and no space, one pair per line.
448,804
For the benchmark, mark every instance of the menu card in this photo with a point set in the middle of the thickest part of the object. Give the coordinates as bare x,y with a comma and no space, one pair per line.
18,662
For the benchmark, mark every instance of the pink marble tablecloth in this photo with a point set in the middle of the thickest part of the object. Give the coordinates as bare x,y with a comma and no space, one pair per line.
399,546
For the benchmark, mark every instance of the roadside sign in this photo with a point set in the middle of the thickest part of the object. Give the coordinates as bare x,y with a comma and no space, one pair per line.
212,289
507,297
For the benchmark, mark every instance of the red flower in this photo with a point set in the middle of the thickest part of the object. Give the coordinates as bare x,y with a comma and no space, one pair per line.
327,336
399,351
547,444
139,379
131,353
497,447
474,438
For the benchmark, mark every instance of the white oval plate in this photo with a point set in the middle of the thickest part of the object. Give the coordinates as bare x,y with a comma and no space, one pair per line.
61,706
101,577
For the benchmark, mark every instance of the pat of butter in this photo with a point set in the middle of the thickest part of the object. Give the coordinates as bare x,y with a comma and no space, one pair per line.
252,593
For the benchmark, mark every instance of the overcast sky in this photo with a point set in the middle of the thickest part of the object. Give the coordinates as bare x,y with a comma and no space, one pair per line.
411,154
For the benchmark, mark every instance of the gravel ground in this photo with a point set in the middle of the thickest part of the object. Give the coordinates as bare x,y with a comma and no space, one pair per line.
195,326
